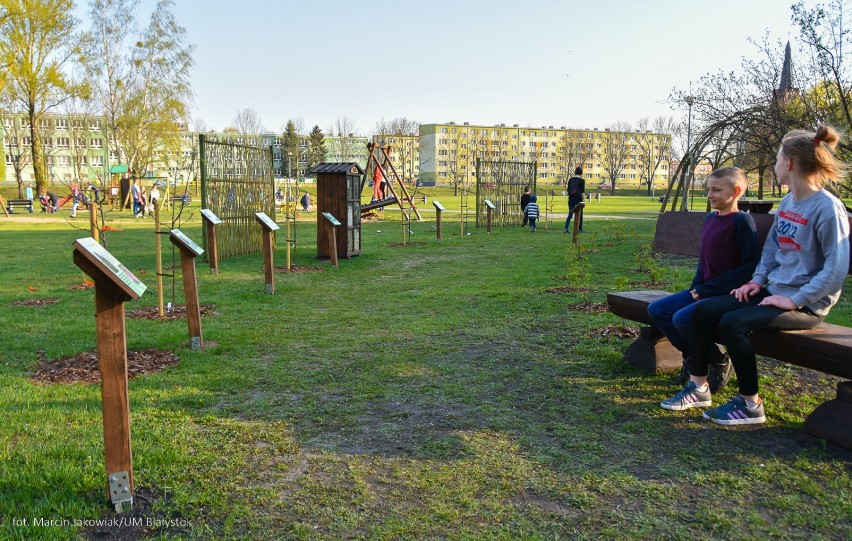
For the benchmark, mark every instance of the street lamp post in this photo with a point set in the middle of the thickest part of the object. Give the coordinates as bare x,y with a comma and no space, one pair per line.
686,185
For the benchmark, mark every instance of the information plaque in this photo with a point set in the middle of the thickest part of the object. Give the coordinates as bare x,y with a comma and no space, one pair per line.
490,204
121,275
438,205
180,238
210,217
266,221
331,218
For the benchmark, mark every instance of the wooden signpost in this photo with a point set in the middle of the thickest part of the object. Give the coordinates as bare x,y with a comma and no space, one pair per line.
210,223
268,227
577,210
332,242
490,206
189,250
114,285
439,208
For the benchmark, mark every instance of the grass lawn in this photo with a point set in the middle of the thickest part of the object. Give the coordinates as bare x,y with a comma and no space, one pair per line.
436,390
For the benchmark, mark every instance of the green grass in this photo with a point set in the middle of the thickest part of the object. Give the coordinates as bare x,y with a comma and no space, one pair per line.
428,391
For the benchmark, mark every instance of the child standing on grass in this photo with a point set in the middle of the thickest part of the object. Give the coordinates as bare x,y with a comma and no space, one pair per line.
727,255
801,271
531,212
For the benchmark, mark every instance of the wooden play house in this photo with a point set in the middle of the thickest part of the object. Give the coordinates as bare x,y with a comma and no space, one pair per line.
339,194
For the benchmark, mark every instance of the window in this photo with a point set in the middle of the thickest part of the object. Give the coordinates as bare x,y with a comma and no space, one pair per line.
44,124
442,163
48,142
62,160
442,141
97,143
97,161
25,123
79,143
61,124
442,152
63,142
77,124
443,130
495,133
442,174
94,124
82,160
8,159
25,141
7,123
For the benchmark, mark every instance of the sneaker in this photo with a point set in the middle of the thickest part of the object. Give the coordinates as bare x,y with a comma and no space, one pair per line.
719,374
689,397
736,412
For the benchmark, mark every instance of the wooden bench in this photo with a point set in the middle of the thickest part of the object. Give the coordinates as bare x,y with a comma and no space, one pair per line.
826,348
12,204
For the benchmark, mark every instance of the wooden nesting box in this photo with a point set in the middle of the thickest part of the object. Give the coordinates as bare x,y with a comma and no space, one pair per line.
339,193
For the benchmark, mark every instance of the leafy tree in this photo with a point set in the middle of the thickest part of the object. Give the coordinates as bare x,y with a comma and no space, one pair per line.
37,43
290,147
316,148
143,86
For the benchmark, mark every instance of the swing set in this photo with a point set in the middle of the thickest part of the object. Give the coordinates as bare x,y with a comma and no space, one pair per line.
380,164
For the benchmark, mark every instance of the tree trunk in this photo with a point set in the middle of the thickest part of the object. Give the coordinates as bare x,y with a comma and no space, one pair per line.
38,160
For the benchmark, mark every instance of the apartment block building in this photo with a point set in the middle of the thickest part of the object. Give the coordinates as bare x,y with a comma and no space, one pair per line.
404,154
448,152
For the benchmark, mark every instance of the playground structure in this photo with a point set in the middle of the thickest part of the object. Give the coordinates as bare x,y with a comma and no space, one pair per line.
379,166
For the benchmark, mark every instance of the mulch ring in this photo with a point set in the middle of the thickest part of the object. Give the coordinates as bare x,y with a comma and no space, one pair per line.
34,302
618,331
83,367
568,289
85,284
140,522
646,285
178,312
589,307
298,269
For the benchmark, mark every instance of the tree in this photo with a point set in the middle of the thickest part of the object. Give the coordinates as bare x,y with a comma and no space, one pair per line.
573,152
615,151
406,154
247,121
316,148
653,148
143,86
290,146
344,145
36,46
17,145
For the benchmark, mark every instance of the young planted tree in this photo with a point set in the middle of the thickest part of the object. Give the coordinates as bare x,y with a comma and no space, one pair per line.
38,42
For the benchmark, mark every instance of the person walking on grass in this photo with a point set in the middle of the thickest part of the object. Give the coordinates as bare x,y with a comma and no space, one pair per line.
727,256
804,263
576,189
525,200
531,213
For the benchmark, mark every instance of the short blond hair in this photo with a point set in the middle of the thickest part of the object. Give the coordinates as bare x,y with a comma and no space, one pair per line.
734,176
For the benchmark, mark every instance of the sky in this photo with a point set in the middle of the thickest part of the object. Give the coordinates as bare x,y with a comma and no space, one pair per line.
580,64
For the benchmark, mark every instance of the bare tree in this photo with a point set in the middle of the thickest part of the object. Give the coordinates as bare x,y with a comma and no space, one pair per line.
248,121
16,141
653,147
344,144
573,153
615,151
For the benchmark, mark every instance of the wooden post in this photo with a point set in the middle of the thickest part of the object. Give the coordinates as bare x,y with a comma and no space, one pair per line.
577,212
93,220
332,243
114,285
188,252
489,209
438,209
268,227
211,221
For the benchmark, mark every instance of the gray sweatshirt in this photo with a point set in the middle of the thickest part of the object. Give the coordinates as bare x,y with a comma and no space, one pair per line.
806,255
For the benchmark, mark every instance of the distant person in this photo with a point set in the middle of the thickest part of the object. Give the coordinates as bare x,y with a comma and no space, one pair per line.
307,202
532,212
727,255
77,197
799,278
153,197
134,198
28,194
525,200
576,188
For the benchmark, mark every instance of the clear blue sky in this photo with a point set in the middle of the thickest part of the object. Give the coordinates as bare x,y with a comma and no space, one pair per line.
581,64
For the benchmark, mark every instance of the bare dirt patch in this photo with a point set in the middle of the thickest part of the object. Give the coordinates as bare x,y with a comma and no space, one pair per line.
618,331
35,302
589,307
646,285
85,284
407,244
141,522
83,367
298,269
178,312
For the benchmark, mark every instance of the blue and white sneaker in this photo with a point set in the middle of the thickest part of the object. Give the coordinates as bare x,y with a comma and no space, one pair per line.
689,397
736,412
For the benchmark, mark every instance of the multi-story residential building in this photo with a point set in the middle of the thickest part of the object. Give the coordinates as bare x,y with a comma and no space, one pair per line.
448,152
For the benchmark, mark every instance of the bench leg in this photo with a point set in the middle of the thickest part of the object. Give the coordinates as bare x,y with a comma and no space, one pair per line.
653,353
830,421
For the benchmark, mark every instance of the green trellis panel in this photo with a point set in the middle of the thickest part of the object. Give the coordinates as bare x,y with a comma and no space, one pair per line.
236,182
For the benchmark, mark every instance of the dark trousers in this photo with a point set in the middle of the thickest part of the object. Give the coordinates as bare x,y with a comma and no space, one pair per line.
728,321
573,201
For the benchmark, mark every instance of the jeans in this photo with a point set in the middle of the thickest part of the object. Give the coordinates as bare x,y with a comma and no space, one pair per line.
573,201
673,316
731,322
532,224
